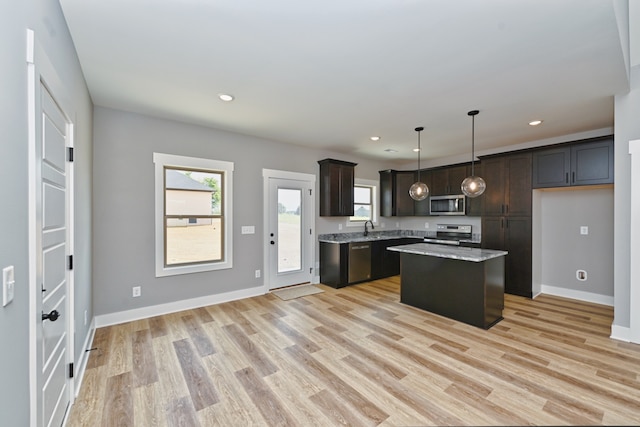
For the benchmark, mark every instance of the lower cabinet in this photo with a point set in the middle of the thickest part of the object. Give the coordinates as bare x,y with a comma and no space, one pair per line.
335,261
386,263
511,234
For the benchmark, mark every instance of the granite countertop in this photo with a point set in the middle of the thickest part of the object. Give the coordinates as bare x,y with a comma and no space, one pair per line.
451,252
384,235
372,236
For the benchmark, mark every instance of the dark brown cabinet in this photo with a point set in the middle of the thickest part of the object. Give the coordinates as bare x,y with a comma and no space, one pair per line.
508,180
386,263
394,194
448,180
335,261
580,163
506,216
336,187
511,234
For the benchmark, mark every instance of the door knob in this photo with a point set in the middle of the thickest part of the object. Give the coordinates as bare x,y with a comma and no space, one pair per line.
53,316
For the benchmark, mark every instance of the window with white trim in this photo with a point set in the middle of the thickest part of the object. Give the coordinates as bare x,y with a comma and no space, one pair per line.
364,202
193,211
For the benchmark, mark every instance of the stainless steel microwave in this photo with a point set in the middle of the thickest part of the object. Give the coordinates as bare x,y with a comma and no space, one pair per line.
447,205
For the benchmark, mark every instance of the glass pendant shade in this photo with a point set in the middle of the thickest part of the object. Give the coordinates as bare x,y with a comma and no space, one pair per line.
473,186
419,191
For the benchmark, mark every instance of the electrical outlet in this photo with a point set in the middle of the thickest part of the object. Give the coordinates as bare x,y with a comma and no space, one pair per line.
584,230
339,226
137,291
257,274
581,275
85,317
426,225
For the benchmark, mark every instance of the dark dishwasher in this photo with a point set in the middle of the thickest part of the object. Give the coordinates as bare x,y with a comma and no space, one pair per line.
359,262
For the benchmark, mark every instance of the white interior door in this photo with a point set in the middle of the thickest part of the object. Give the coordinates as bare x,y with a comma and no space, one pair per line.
290,234
52,269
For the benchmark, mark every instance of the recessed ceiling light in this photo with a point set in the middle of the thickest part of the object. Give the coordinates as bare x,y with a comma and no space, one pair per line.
225,97
535,122
391,150
375,138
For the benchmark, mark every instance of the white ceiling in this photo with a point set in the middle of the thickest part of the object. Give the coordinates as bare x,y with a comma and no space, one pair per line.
330,74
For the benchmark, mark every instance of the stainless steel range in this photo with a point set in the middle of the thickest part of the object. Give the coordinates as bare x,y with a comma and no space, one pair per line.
448,234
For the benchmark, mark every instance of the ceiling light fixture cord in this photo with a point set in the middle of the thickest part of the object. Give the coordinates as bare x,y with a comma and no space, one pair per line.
473,185
419,190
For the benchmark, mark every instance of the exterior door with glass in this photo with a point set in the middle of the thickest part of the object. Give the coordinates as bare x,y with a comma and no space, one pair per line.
289,232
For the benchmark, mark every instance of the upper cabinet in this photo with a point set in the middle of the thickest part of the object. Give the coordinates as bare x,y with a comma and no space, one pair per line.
394,194
336,187
447,180
508,179
580,163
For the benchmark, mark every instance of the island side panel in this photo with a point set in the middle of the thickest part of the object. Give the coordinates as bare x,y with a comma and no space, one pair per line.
453,288
494,290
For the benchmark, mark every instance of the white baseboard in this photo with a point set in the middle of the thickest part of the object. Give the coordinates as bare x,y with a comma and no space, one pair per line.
620,333
81,364
579,295
172,307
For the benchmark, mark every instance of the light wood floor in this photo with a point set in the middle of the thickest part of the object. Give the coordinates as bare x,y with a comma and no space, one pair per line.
356,356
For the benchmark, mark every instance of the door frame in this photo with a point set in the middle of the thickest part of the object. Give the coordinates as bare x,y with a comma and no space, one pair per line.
310,245
40,71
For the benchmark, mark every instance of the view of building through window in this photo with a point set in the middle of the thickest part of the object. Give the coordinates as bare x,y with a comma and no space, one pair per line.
193,216
363,203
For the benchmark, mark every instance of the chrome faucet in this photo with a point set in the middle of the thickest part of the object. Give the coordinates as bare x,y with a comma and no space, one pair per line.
366,231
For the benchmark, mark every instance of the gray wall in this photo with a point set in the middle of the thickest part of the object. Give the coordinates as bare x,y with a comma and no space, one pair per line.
124,205
564,250
45,18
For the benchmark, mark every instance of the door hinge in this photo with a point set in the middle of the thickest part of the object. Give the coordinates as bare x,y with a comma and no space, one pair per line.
70,262
70,370
310,270
310,192
70,154
310,231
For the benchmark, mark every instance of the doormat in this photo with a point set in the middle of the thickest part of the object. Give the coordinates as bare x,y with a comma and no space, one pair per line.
297,292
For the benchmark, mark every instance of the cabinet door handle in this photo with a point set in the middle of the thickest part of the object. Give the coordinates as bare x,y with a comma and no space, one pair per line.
506,209
501,222
573,177
566,178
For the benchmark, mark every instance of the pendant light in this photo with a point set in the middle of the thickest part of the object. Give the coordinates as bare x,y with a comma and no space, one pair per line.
419,190
473,185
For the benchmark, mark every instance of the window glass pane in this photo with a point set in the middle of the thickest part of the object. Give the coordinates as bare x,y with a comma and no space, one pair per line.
362,195
361,213
190,242
289,230
363,204
192,197
193,193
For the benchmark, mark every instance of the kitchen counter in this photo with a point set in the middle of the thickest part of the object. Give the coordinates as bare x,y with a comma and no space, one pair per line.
451,252
464,284
373,236
384,235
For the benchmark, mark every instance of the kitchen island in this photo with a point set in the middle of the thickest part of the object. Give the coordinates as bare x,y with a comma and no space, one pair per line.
464,284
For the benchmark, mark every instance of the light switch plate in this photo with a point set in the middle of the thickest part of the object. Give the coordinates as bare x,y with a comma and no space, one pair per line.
8,285
584,230
248,229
